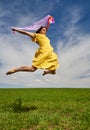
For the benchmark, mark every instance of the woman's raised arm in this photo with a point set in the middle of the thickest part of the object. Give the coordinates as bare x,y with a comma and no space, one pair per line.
32,35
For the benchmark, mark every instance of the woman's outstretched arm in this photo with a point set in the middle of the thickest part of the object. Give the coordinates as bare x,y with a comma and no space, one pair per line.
49,20
48,25
32,35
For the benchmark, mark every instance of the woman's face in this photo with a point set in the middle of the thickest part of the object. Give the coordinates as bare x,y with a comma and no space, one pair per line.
43,31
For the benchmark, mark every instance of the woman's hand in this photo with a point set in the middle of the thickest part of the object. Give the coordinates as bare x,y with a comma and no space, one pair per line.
49,19
14,29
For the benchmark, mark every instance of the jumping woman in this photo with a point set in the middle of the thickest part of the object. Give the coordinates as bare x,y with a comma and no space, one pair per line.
45,58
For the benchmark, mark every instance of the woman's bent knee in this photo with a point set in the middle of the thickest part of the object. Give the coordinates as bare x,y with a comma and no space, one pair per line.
33,69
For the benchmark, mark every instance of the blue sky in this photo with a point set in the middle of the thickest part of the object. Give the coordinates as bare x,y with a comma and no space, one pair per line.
70,37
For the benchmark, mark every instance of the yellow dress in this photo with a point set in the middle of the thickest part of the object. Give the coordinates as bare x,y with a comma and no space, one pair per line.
45,57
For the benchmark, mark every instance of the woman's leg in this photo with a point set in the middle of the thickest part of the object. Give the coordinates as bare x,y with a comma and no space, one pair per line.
23,68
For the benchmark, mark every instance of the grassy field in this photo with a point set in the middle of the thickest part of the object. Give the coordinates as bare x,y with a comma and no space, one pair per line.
45,109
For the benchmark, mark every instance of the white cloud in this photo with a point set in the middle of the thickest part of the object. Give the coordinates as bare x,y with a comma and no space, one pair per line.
74,54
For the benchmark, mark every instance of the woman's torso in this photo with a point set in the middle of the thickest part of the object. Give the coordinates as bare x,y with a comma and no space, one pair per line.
44,42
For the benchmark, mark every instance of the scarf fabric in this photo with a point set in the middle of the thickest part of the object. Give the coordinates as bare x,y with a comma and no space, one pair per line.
38,24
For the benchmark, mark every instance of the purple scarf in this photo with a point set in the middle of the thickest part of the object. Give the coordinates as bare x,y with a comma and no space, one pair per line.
38,24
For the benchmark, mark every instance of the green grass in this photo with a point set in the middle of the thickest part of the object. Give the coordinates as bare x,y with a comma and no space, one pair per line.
45,109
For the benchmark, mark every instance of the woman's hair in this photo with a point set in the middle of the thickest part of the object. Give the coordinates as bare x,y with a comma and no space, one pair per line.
38,31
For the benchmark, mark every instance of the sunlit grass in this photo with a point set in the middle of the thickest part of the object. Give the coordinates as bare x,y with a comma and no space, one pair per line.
44,109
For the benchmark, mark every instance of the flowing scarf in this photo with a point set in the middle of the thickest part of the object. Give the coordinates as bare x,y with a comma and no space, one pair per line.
38,24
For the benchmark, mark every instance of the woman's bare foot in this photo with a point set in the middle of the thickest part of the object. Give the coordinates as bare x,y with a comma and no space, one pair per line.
49,72
11,71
